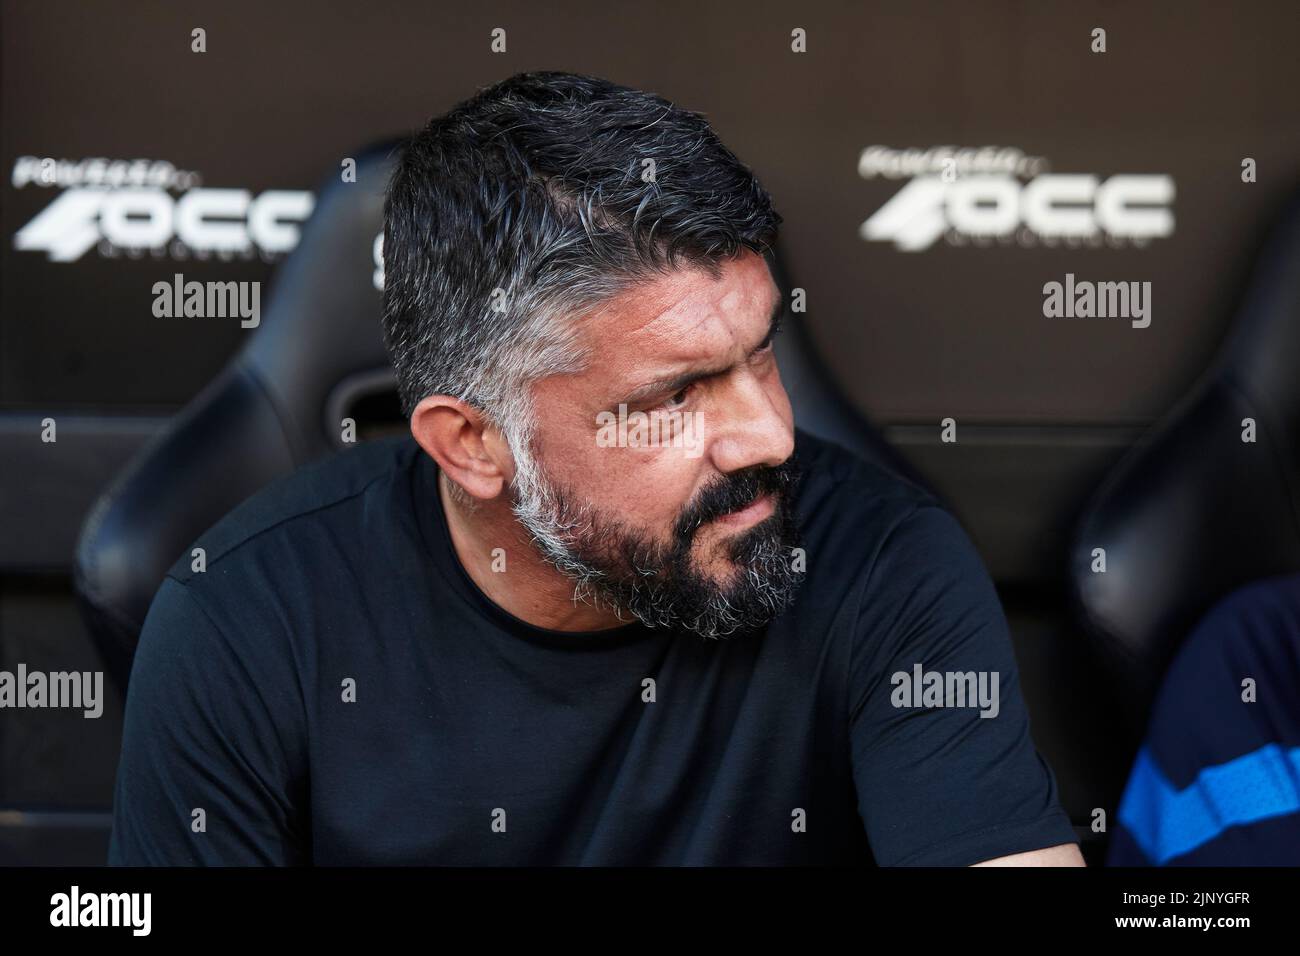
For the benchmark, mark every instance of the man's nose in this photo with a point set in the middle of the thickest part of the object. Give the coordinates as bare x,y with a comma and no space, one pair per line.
758,429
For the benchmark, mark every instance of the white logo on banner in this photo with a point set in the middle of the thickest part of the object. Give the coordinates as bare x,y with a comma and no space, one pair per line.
975,197
121,207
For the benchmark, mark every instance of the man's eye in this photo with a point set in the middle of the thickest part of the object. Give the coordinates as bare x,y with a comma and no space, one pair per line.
677,399
770,341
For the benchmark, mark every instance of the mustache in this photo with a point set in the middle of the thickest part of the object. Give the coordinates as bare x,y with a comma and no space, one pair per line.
735,491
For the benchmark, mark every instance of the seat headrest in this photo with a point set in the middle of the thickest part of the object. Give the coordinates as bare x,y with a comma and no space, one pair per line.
1194,510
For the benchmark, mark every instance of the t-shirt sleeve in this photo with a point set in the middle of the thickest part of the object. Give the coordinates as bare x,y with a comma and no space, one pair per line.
212,725
960,782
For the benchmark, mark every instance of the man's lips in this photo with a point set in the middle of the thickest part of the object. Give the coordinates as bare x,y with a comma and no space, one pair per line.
761,507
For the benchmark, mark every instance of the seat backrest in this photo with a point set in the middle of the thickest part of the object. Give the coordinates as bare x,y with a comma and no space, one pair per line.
317,353
1194,510
276,405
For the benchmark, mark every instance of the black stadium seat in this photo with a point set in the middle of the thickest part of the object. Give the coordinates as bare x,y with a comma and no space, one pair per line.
1193,511
316,357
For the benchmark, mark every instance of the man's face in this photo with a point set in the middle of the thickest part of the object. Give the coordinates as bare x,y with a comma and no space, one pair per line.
662,478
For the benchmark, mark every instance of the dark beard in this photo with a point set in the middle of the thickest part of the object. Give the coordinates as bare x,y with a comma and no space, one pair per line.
659,584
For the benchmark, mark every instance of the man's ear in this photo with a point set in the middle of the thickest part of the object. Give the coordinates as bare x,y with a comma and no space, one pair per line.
469,449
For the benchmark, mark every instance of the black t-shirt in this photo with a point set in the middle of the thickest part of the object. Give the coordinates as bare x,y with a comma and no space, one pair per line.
333,688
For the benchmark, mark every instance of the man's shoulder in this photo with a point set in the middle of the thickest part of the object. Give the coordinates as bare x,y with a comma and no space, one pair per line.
874,530
835,478
323,491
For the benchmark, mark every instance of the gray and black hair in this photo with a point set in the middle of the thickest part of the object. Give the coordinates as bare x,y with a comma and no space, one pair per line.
525,208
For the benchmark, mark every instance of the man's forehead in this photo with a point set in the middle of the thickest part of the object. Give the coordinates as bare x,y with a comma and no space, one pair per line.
687,311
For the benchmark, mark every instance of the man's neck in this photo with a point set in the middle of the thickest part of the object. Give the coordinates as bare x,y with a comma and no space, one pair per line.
517,578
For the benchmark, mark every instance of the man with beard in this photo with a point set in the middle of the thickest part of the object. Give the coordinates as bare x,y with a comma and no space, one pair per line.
500,641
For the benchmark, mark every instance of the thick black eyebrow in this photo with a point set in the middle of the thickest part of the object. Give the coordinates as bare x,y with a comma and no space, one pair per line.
672,384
